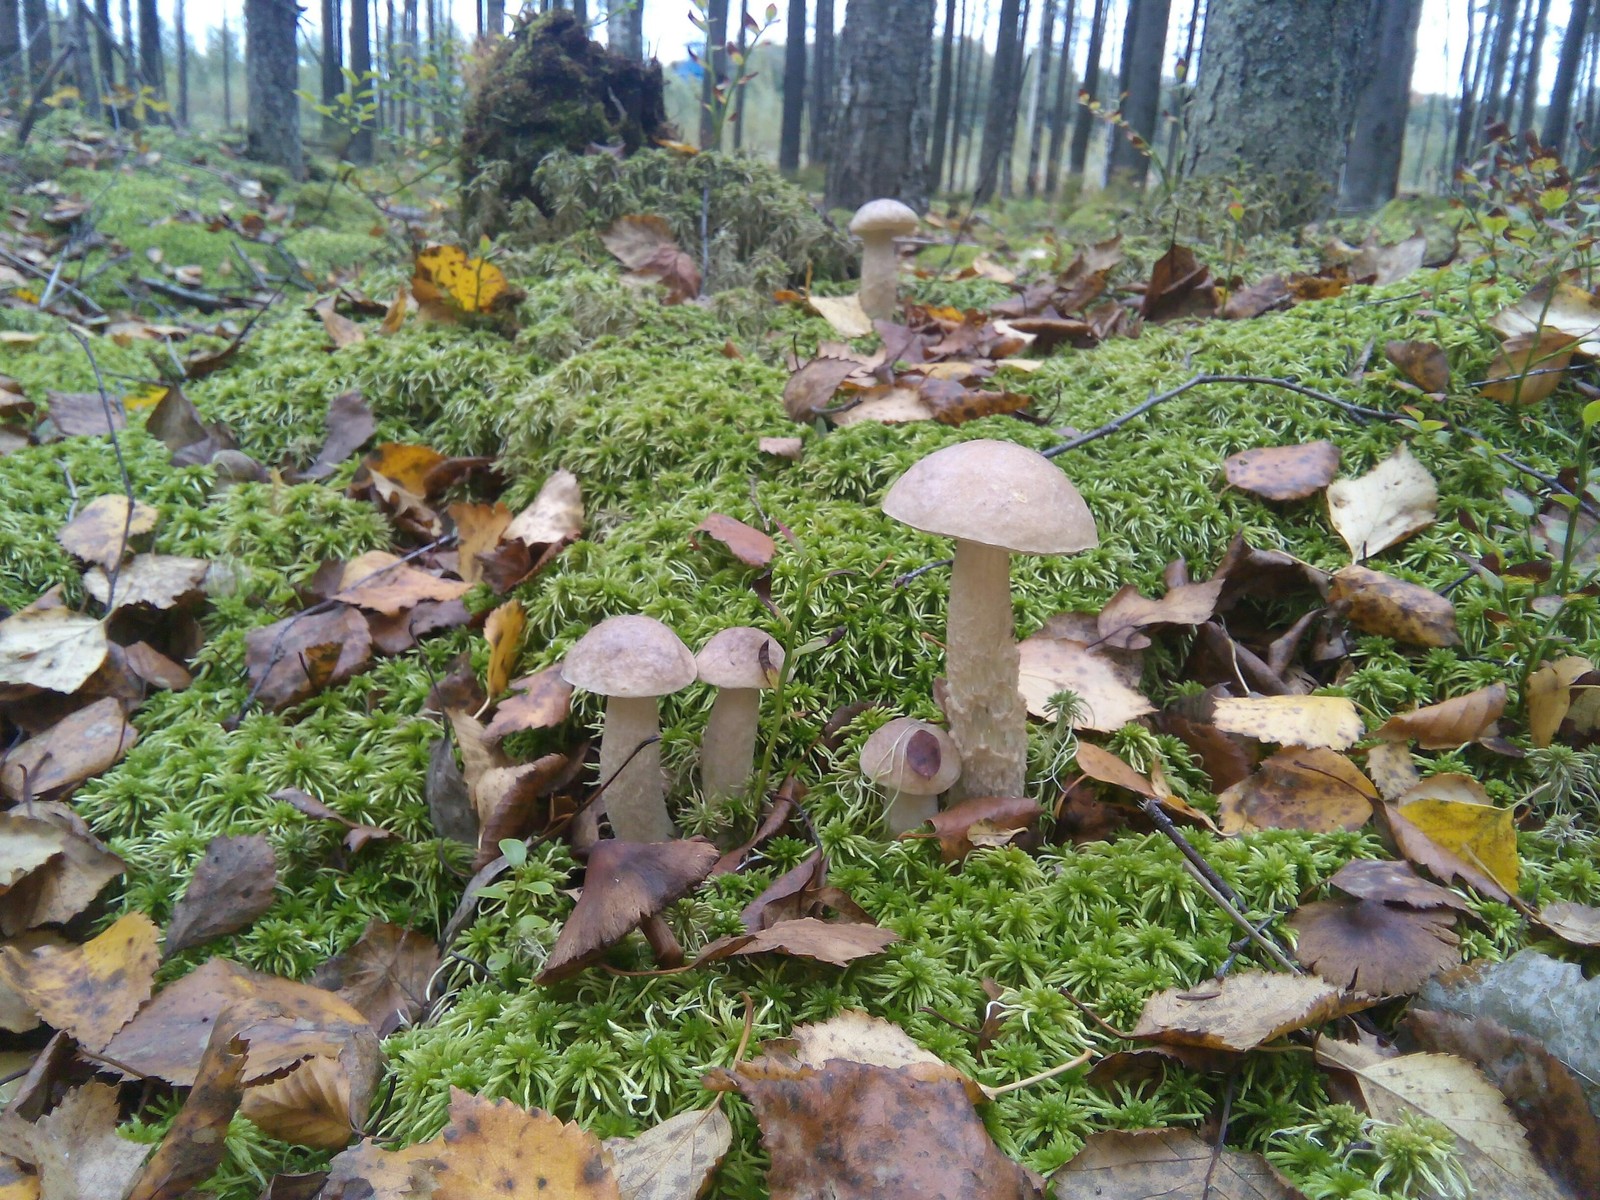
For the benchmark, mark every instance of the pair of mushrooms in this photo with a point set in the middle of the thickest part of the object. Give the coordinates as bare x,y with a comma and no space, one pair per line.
635,660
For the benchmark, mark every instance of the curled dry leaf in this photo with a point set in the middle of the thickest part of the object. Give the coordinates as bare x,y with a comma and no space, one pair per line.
381,582
102,531
1552,690
1373,947
837,943
1169,1163
1388,504
1393,769
1284,472
843,313
1127,612
310,1106
1105,680
64,884
554,518
673,1160
810,389
750,546
1567,307
340,328
1529,367
1316,790
1451,723
196,1142
295,658
503,631
781,447
384,975
541,701
1407,612
79,746
646,246
233,884
981,821
358,835
1101,764
90,991
1326,722
1243,1011
1424,364
478,531
51,648
1575,923
350,423
162,581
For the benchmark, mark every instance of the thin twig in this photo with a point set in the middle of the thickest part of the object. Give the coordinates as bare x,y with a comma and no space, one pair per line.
994,1093
122,464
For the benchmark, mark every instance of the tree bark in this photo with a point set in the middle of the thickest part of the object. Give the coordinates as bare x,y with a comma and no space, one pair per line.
11,63
794,88
1472,66
152,63
736,93
41,46
1530,73
975,93
494,18
1019,84
227,73
1039,105
272,68
130,69
360,148
104,41
1144,46
881,132
622,28
961,101
1091,85
1002,89
1558,116
714,62
1278,93
1061,111
941,103
1372,167
181,33
822,83
1499,57
332,61
83,72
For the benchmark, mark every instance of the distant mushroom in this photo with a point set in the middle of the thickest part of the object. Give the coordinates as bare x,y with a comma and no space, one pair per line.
995,499
739,662
877,223
632,661
913,762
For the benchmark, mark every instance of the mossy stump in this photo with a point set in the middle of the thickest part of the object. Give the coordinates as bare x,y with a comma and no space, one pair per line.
545,88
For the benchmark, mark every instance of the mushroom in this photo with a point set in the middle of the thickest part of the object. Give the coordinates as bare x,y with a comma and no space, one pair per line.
877,223
632,661
913,761
995,499
739,662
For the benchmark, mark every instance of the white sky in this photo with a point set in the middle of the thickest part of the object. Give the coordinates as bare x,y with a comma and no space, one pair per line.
667,29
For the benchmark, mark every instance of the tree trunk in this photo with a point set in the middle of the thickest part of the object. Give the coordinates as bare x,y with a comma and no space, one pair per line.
1002,88
1278,93
713,87
41,47
1091,85
130,69
580,9
332,61
1019,84
11,63
1038,116
494,18
1061,110
181,32
736,92
794,88
1372,168
636,31
941,103
152,63
83,72
104,41
1472,66
360,148
1144,46
272,68
881,132
227,73
822,84
622,28
1558,117
1505,33
1530,73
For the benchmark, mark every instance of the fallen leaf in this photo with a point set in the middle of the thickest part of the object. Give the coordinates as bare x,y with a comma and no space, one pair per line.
898,404
64,885
340,328
1243,1011
51,648
90,991
82,414
384,975
1551,691
196,1142
843,313
1173,1164
1378,603
75,1148
810,389
750,546
1179,286
1384,264
1101,764
1575,923
1373,947
155,668
104,529
1284,472
78,747
1450,724
1454,814
781,447
404,464
503,631
178,425
1388,504
473,284
1316,790
1392,769
357,835
625,883
1567,308
233,884
282,658
1127,612
673,1160
967,824
837,943
310,1106
1105,680
555,517
1424,364
350,423
1326,722
160,580
1262,296
647,247
542,700
383,583
479,528
511,801
1529,367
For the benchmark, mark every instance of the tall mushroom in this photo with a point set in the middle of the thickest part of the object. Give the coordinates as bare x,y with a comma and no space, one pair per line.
632,661
739,662
995,499
913,762
877,223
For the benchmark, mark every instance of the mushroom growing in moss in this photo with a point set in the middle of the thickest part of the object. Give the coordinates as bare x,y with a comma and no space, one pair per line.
995,499
739,662
913,762
632,661
877,223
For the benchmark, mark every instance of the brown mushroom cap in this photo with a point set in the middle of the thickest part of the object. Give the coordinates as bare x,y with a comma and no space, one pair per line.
883,216
630,656
732,659
995,493
901,758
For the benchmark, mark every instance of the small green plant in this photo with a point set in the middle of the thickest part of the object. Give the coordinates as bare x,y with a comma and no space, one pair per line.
724,92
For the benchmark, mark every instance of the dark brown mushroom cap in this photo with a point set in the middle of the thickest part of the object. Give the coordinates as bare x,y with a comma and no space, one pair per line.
911,756
883,216
733,659
629,656
995,493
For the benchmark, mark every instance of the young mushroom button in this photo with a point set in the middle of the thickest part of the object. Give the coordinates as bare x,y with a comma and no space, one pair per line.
877,223
995,499
632,661
739,662
913,762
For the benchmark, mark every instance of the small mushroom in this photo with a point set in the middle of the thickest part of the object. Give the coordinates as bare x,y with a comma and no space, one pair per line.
739,662
913,762
632,661
877,223
995,499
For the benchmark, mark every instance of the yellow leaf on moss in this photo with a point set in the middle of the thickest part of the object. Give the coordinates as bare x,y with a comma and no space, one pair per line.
1482,835
503,630
446,271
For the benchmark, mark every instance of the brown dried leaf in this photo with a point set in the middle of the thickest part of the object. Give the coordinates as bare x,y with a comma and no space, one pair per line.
1451,723
358,836
90,991
1316,790
77,747
673,1160
810,389
340,328
1442,861
52,648
1407,612
1284,472
1243,1011
1105,679
838,943
843,313
1173,1164
350,423
103,530
1529,367
646,246
503,631
479,528
781,447
1372,947
554,518
1128,612
1455,814
1108,768
196,1142
63,886
233,884
384,975
75,1148
1551,691
1575,923
310,1106
383,583
1327,722
1424,363
541,701
750,546
1388,504
1179,286
162,581
965,825
286,671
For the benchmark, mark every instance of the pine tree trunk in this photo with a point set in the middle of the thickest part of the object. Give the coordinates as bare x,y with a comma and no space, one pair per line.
794,88
880,134
360,148
1473,59
822,83
1277,94
715,64
736,93
1037,115
1519,64
11,72
1493,92
1377,141
1002,85
621,26
982,68
1144,46
180,32
494,18
1061,110
41,46
941,103
1530,73
227,73
1558,116
152,64
636,31
332,60
104,40
1019,84
130,69
1091,85
272,69
82,64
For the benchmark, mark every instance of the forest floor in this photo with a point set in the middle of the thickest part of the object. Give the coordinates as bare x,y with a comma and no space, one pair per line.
304,391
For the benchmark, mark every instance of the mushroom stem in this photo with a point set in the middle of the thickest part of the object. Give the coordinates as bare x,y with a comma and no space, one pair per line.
906,812
879,263
663,944
728,750
987,717
636,798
